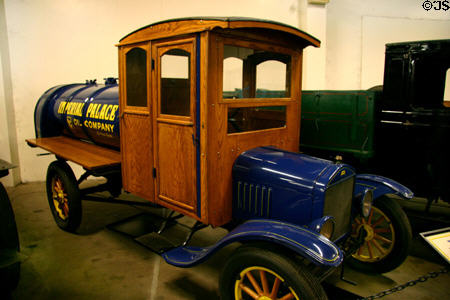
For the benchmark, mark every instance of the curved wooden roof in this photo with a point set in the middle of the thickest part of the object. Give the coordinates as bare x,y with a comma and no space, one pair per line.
176,27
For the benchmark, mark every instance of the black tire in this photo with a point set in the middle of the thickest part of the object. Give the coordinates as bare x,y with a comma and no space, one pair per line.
63,196
114,185
255,259
387,222
9,240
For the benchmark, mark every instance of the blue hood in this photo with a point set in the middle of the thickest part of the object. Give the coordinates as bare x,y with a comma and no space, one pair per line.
272,183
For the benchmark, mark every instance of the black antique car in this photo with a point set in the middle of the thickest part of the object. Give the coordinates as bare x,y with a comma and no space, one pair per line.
400,130
10,256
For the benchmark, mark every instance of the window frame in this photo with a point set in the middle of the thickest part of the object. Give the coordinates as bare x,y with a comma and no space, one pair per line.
187,44
256,130
189,81
287,102
143,110
239,42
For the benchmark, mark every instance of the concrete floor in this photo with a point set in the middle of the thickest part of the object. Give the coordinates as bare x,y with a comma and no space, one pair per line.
98,263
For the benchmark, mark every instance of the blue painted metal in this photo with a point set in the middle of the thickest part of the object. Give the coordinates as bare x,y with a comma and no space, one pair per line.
45,123
316,225
381,186
66,116
86,111
287,186
303,241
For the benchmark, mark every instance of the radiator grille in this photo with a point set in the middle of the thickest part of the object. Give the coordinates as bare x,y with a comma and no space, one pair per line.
338,202
254,199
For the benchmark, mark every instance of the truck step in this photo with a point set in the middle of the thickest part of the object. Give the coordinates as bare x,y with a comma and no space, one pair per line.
138,225
156,233
156,242
172,237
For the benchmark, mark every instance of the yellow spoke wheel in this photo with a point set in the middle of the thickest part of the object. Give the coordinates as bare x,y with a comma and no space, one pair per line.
63,196
380,238
60,198
267,272
388,238
262,284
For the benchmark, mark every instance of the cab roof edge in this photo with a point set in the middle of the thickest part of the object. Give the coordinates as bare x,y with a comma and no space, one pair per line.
229,21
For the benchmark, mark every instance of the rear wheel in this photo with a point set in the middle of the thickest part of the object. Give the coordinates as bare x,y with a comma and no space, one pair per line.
63,196
256,273
388,238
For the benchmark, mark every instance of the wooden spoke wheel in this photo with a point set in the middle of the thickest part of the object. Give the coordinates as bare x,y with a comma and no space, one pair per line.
63,196
59,196
380,238
262,273
388,238
262,284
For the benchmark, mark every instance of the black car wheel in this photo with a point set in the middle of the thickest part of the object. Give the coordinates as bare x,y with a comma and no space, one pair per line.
388,238
254,272
63,196
9,242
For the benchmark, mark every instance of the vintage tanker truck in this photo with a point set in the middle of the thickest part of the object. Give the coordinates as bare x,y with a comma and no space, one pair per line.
190,144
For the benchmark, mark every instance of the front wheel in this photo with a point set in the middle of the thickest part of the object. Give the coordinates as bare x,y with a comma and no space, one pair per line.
256,273
388,238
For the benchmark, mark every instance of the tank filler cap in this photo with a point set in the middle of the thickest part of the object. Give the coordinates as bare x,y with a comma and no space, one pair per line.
110,80
91,81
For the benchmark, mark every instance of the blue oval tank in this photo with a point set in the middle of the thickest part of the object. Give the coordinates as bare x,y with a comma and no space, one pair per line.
85,111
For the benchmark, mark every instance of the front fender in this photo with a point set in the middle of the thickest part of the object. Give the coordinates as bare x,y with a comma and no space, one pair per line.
380,186
303,241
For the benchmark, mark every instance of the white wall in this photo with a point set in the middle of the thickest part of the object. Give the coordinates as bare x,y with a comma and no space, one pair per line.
53,42
358,30
8,137
5,153
314,61
66,41
4,136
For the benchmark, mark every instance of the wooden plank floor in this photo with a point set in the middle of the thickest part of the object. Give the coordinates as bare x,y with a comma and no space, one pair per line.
87,155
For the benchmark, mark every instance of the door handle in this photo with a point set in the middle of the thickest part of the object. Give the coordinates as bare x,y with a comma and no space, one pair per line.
195,141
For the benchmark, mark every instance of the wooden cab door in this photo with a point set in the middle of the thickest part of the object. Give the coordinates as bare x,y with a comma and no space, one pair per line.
174,87
136,137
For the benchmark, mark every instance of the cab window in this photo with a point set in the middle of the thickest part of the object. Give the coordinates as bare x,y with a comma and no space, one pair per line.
242,119
136,77
252,73
175,83
255,74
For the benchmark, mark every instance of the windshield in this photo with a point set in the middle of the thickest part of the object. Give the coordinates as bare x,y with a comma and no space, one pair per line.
252,73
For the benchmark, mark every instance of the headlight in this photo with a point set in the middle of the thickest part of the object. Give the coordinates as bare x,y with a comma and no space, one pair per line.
366,203
327,228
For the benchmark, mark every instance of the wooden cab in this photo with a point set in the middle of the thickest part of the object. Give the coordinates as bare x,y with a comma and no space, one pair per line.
194,94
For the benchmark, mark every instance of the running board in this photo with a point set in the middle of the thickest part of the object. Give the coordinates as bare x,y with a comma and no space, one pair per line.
158,234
